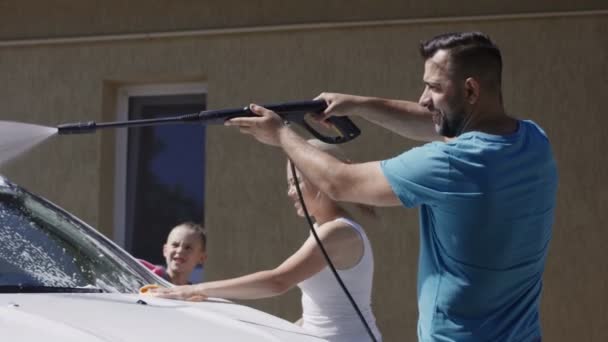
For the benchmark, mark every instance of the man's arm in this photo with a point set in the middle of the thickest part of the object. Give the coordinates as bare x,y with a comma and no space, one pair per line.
358,183
364,183
406,118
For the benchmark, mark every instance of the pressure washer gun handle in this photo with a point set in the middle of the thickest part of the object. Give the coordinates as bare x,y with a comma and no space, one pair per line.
295,112
291,112
346,129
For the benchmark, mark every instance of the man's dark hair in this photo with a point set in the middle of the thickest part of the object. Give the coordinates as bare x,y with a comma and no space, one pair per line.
472,54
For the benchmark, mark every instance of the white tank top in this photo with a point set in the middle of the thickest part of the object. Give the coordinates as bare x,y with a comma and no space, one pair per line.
326,310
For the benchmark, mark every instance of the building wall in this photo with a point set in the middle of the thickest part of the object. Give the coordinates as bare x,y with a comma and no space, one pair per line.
555,73
59,18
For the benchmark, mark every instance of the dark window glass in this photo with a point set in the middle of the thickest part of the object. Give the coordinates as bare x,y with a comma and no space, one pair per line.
165,173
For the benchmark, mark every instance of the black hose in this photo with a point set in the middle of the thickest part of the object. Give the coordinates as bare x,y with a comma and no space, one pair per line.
329,263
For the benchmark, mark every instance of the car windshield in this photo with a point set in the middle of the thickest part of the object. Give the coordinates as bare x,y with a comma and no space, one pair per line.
44,247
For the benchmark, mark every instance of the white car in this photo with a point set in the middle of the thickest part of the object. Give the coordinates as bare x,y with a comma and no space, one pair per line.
60,280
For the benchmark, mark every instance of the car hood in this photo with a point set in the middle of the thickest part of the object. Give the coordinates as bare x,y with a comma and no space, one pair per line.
131,317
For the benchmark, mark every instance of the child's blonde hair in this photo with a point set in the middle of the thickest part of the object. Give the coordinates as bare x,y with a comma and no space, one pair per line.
197,228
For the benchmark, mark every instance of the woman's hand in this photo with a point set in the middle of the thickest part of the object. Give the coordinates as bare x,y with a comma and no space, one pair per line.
193,293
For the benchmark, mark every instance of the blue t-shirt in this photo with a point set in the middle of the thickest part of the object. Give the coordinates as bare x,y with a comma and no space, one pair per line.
486,211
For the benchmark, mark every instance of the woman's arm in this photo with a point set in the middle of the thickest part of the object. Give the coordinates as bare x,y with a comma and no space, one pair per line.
340,241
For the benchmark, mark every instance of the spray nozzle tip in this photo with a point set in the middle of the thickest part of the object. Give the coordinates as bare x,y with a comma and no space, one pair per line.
77,128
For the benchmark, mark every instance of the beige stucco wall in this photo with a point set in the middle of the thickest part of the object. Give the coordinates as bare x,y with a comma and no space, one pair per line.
555,74
58,18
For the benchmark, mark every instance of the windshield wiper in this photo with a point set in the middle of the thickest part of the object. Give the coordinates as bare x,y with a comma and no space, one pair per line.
24,288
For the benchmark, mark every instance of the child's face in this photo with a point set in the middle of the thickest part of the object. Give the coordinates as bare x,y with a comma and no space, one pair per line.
183,250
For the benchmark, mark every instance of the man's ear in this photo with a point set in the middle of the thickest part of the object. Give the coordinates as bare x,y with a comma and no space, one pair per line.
165,250
472,90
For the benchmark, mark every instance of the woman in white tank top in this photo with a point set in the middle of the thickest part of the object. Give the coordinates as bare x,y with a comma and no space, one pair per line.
326,311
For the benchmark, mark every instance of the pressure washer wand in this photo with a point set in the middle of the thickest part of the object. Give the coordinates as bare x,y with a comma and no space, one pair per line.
92,126
289,111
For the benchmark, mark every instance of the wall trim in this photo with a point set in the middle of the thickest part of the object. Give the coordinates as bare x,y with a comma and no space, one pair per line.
292,27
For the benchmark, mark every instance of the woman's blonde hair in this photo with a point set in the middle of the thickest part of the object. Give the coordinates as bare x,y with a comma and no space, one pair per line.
338,153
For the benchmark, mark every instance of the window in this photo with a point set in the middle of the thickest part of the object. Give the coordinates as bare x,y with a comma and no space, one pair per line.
160,169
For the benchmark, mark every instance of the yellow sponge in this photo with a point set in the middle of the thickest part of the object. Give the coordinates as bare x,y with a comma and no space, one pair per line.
145,288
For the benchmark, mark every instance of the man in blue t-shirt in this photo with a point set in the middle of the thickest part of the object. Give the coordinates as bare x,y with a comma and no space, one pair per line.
485,185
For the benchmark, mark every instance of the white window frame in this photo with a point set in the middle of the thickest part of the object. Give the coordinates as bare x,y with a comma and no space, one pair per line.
120,162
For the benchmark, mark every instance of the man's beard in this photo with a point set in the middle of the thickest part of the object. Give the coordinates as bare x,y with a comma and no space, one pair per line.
452,124
451,128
